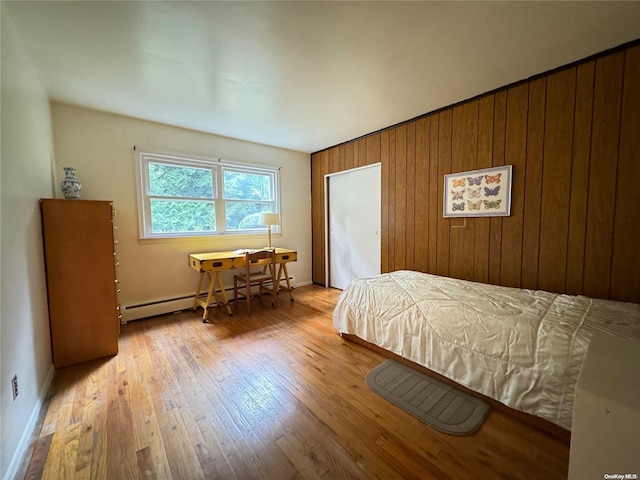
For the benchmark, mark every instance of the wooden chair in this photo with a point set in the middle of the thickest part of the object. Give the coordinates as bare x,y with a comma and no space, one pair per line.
266,261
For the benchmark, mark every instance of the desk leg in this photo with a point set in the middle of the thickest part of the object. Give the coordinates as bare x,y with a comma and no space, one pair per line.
210,293
215,278
223,293
283,269
196,299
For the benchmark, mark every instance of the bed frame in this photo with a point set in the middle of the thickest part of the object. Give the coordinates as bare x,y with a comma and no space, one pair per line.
532,420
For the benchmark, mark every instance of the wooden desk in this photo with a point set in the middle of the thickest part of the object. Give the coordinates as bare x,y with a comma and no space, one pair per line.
214,263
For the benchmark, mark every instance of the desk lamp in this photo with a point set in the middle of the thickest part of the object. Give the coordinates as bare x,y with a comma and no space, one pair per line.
268,219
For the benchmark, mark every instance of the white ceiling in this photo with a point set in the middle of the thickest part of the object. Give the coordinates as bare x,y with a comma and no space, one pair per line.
302,75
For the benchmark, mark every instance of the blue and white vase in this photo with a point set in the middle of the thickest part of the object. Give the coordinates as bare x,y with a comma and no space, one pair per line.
71,187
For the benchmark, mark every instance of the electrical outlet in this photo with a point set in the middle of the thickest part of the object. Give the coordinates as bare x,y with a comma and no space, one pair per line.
14,386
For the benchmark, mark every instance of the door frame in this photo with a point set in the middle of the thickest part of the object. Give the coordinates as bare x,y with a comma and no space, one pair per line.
327,243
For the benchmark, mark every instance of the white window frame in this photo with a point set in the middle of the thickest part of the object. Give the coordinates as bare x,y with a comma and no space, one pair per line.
217,166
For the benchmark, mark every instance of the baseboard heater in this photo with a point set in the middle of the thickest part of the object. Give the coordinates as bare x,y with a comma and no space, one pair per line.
168,305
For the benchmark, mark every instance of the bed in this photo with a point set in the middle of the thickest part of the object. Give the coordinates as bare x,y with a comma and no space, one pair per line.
522,348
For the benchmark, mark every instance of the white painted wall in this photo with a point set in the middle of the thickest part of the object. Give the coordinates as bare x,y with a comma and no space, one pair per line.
26,172
100,146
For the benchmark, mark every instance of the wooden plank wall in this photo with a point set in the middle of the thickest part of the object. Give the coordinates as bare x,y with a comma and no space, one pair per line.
573,138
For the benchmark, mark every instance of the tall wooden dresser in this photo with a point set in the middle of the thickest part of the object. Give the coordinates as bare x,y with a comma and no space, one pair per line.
79,249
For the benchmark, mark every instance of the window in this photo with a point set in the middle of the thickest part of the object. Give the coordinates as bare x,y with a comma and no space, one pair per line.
184,197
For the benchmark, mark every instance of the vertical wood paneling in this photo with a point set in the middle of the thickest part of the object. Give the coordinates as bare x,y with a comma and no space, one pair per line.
485,155
410,176
350,160
319,168
435,193
572,138
463,157
400,221
422,187
495,225
625,268
372,148
386,200
327,169
334,160
392,199
579,177
362,153
444,167
315,201
515,154
556,180
602,174
353,154
533,184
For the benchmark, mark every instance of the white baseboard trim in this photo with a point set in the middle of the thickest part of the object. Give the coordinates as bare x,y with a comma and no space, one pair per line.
151,309
25,439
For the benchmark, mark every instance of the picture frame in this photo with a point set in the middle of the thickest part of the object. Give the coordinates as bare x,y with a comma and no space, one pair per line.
478,193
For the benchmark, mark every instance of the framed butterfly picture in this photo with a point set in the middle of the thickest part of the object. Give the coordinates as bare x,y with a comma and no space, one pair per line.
478,193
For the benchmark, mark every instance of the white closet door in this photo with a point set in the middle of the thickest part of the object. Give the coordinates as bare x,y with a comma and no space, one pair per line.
354,225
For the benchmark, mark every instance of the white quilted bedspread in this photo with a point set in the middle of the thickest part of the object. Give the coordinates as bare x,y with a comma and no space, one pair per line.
524,348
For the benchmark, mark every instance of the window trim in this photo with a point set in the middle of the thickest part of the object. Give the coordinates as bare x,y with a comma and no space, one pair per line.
143,155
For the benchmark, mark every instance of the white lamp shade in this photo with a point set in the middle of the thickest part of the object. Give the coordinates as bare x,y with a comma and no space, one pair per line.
267,218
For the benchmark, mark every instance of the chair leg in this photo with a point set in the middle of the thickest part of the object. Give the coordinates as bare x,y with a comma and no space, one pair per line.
235,293
261,289
274,288
248,295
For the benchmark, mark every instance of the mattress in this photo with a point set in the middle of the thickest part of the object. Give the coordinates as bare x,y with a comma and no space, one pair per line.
523,348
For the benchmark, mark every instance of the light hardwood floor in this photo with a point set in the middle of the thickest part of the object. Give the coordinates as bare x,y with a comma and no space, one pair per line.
275,395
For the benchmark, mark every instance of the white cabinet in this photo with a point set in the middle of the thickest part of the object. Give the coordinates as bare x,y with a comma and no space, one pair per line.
605,439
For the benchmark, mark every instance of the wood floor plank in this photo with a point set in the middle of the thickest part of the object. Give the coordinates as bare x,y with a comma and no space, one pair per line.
150,453
39,452
86,419
275,395
302,455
